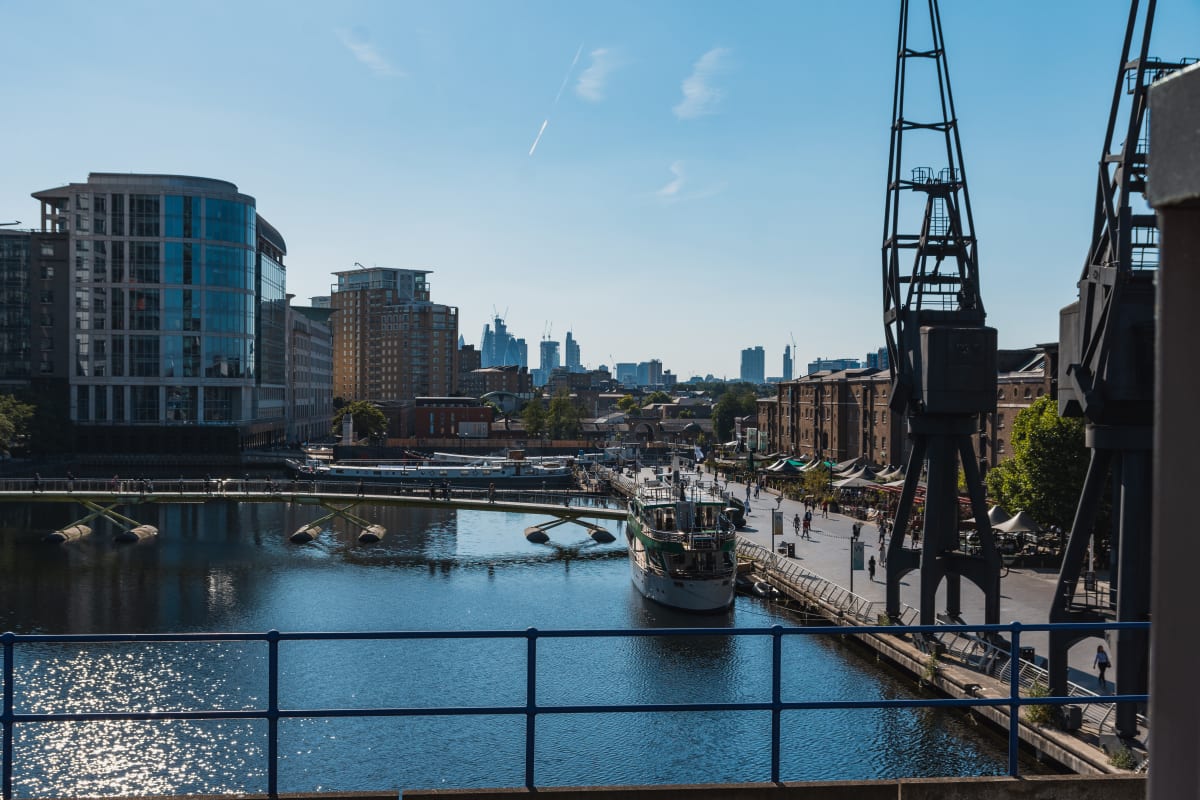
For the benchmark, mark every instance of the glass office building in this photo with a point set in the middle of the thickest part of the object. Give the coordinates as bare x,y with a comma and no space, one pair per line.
176,314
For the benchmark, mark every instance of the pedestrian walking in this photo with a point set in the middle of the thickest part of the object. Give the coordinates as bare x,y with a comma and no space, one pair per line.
807,529
825,509
1101,663
796,524
70,481
871,568
491,492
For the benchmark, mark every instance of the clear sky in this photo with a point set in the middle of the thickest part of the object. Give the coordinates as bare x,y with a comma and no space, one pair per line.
672,180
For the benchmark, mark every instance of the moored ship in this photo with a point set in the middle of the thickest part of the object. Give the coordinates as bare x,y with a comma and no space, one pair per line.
504,473
681,547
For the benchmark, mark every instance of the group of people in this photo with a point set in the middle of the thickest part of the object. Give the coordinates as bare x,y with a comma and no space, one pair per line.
803,527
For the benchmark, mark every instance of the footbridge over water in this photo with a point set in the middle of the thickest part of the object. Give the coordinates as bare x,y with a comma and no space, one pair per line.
102,498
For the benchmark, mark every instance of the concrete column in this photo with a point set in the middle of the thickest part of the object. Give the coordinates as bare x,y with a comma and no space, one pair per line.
1174,192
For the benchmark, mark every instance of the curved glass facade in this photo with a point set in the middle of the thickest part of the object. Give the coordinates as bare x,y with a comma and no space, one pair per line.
167,313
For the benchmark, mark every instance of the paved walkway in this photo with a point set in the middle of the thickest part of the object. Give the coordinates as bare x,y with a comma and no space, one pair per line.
1025,593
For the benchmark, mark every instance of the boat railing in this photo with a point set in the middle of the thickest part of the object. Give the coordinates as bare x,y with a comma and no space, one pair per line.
19,714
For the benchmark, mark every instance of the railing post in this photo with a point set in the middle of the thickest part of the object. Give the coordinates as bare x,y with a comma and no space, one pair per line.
273,713
776,696
1014,693
530,703
6,715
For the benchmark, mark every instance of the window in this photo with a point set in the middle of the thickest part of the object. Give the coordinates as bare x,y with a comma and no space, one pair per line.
144,357
143,215
145,403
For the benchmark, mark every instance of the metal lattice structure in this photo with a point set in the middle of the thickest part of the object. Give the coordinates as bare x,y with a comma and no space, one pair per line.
1107,363
943,357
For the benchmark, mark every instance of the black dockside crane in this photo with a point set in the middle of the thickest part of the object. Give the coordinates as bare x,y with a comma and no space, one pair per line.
1107,377
942,355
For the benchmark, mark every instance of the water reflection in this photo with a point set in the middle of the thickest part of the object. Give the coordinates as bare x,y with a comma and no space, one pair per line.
222,566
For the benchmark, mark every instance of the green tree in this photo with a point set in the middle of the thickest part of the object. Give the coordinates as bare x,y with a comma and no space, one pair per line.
1045,474
534,417
627,403
369,421
657,396
15,417
816,481
737,402
563,418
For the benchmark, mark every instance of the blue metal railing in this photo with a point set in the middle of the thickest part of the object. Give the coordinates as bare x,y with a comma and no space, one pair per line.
531,710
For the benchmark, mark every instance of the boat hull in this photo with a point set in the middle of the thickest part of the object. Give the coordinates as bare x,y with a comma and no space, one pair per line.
702,594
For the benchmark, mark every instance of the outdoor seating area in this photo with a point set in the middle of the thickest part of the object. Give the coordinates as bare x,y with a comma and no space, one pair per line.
870,493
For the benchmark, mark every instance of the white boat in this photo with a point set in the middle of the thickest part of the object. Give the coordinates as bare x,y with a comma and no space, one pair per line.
681,547
504,473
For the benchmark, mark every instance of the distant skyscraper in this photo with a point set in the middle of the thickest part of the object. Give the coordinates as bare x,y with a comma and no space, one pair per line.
499,348
878,359
571,346
547,363
754,365
626,373
787,362
649,373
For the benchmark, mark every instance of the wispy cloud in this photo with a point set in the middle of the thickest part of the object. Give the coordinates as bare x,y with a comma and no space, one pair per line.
567,76
368,55
700,97
671,190
591,81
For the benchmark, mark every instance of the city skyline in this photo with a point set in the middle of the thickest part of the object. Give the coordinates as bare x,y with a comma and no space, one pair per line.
656,168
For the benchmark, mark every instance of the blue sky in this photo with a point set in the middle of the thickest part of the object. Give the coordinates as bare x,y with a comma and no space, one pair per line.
708,177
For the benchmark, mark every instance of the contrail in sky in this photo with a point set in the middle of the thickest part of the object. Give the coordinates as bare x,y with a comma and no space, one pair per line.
542,130
566,78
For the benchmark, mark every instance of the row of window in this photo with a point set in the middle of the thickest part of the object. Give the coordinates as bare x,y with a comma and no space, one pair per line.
136,356
105,261
158,404
170,216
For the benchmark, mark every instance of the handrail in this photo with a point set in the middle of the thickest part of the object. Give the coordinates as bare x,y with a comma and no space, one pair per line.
992,659
531,709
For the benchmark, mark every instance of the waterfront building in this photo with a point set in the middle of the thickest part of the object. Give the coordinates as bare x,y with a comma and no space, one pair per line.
754,366
173,314
16,304
391,342
1025,375
833,364
836,416
310,373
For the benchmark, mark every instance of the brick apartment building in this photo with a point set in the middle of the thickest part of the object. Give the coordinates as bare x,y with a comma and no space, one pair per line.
844,414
